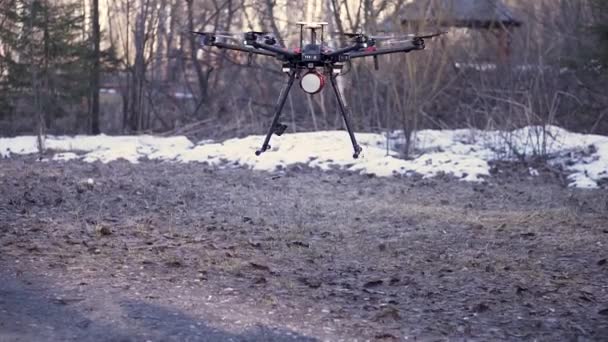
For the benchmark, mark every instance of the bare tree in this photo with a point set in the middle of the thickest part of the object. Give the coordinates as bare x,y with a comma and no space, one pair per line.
95,69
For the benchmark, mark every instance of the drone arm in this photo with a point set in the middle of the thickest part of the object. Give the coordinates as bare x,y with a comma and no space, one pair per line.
222,45
385,51
345,50
275,51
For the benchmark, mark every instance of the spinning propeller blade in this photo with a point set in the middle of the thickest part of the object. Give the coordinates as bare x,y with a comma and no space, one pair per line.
346,34
430,35
206,37
390,36
259,33
408,36
263,36
411,38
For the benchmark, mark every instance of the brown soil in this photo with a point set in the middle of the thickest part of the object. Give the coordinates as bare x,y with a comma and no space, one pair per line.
170,252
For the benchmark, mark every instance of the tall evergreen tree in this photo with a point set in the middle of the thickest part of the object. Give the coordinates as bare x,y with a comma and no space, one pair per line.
44,59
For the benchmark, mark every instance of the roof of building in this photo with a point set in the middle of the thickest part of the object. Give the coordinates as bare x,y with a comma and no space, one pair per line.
459,13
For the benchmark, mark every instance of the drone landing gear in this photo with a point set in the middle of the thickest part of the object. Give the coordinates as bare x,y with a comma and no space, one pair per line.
344,112
276,127
279,128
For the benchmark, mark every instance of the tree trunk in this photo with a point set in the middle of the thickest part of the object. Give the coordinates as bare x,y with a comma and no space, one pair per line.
203,77
139,68
95,70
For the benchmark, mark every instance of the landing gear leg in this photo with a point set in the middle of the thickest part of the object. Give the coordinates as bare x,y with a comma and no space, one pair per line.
344,112
277,127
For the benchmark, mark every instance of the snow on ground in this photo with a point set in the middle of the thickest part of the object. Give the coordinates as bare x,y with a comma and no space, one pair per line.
463,153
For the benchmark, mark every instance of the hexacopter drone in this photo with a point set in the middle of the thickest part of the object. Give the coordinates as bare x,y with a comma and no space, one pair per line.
312,63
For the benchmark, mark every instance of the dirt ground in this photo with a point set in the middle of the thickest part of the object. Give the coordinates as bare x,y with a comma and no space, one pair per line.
170,252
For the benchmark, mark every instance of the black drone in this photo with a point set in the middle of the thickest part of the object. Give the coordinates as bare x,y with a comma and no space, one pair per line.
313,63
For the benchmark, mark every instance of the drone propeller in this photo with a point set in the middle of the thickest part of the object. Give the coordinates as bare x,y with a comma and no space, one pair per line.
207,38
259,33
215,33
351,35
232,34
410,36
382,37
390,36
264,36
360,37
431,35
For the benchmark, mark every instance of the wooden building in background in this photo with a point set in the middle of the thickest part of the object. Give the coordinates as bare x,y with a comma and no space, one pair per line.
491,16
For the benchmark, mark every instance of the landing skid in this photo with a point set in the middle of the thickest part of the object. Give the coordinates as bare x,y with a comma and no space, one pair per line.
278,128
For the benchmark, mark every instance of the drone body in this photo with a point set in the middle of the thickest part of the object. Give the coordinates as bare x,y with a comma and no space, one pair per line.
312,63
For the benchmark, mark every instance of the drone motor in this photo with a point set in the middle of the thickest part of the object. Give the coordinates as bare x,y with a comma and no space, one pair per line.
312,82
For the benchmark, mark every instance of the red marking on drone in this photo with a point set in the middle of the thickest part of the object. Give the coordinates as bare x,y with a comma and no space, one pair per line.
371,49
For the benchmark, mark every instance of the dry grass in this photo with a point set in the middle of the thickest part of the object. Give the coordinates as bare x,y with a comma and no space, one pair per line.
335,256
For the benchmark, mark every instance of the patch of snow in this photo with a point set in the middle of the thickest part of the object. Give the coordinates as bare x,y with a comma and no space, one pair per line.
462,153
65,156
588,162
18,145
476,66
105,148
533,172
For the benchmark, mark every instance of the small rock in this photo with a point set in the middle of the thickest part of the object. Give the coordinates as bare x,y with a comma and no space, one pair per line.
519,289
310,282
373,283
299,244
174,263
67,301
259,280
255,244
385,336
477,226
387,314
85,323
104,230
85,184
258,266
481,307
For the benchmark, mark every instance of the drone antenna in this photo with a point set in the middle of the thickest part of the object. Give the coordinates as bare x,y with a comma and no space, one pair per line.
301,35
322,26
